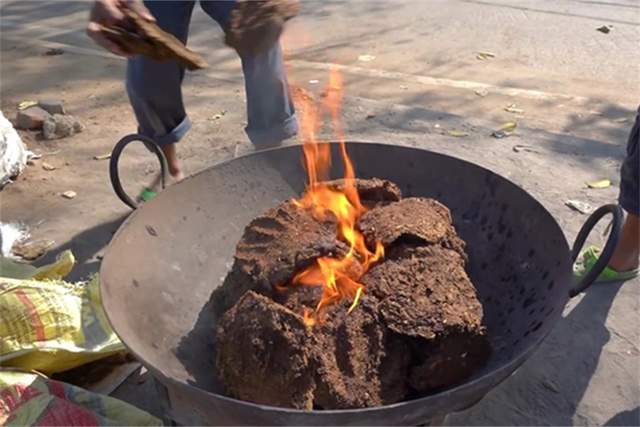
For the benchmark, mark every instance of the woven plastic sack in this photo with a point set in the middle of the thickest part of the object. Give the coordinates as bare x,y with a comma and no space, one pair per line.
49,325
34,400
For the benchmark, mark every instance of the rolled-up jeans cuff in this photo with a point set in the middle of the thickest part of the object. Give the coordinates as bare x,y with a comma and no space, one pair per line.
271,137
175,135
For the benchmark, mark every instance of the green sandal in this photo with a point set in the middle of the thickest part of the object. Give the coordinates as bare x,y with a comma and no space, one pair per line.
150,191
146,195
589,258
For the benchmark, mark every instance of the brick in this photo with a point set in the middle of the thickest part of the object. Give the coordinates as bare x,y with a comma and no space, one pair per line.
31,118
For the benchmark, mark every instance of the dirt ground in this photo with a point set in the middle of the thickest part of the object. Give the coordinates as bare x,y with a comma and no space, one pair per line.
574,127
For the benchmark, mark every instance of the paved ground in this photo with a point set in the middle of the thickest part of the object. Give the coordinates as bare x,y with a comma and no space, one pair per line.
578,88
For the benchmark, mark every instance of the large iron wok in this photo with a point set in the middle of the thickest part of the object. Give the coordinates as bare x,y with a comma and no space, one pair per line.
162,265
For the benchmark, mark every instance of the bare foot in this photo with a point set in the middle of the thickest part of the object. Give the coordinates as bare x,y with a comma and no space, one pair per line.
176,175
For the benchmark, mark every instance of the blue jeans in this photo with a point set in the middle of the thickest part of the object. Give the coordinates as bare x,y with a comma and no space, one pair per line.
155,92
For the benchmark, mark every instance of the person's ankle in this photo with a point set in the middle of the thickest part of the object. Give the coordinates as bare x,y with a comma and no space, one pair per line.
625,264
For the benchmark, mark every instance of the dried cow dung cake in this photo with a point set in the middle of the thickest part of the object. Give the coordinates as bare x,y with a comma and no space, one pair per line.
273,248
417,327
264,353
267,355
426,295
411,220
356,368
254,26
372,191
283,241
142,37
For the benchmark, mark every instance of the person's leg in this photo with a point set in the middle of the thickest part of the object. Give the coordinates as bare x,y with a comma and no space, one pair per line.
625,257
627,252
270,111
173,164
154,87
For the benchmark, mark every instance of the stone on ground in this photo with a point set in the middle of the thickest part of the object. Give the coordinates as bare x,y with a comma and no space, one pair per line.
59,126
52,106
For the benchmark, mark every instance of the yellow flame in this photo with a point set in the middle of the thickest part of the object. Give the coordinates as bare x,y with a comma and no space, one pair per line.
338,276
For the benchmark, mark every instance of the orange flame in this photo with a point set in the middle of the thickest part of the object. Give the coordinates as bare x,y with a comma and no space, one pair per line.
338,276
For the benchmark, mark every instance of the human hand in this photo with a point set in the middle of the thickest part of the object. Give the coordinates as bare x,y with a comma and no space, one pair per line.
109,13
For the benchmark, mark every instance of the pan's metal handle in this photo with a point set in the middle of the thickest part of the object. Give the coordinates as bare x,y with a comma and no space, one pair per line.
115,158
609,247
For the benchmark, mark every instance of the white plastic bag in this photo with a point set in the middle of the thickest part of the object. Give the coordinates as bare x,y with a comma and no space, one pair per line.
13,153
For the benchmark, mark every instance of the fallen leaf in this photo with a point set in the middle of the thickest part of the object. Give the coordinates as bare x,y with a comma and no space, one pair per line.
69,194
485,55
102,156
48,167
511,108
604,29
481,92
26,104
366,58
505,130
582,207
457,133
519,148
508,127
370,116
603,183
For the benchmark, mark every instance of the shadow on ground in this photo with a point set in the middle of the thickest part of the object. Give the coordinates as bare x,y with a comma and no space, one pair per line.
547,389
86,247
625,418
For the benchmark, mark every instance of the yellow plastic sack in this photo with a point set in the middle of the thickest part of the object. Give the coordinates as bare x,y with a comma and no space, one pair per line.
56,271
34,400
49,325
